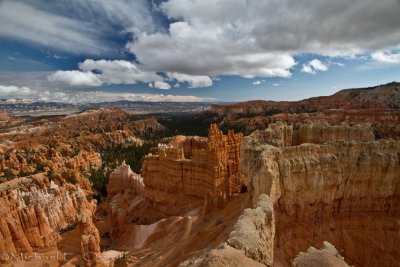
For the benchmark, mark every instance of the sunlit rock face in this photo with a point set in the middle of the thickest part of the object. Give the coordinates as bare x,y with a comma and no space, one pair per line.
33,212
124,179
192,172
125,198
90,238
328,183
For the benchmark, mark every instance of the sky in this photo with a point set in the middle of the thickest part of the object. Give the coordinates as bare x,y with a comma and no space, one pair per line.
195,50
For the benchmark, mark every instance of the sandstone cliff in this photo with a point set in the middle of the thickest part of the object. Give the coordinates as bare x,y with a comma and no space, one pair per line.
343,191
385,123
125,198
192,172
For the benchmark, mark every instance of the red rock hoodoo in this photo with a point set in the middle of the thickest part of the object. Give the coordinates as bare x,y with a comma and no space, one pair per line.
207,174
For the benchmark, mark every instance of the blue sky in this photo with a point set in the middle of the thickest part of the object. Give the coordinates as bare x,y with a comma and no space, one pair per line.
192,50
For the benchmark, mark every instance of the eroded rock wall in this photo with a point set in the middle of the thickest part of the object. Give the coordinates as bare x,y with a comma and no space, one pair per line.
192,172
251,243
327,256
32,213
345,192
125,198
280,134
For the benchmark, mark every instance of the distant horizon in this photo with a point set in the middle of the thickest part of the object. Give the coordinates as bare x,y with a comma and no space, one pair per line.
215,101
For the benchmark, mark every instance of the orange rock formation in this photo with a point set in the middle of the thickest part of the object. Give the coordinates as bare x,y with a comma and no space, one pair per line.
192,172
125,197
344,189
90,238
33,212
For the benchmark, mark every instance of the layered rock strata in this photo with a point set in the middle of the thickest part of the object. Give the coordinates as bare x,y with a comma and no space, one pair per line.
33,212
192,172
125,197
344,191
280,134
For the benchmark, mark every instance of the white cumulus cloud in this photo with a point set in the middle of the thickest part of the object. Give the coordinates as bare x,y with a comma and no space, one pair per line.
160,85
201,51
14,91
99,72
260,38
75,78
118,71
195,81
314,66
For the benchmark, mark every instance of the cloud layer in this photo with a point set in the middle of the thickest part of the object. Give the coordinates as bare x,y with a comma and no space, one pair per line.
14,91
259,38
76,26
118,71
99,72
191,43
75,78
100,96
386,57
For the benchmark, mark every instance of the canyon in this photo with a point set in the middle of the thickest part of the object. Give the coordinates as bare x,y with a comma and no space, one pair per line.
298,187
308,184
377,107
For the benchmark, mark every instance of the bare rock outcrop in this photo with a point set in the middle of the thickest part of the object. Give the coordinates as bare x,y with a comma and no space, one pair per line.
32,213
251,243
223,256
327,256
254,232
342,191
123,179
192,172
321,132
280,134
125,196
90,238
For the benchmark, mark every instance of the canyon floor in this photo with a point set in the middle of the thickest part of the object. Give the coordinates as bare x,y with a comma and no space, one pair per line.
261,183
